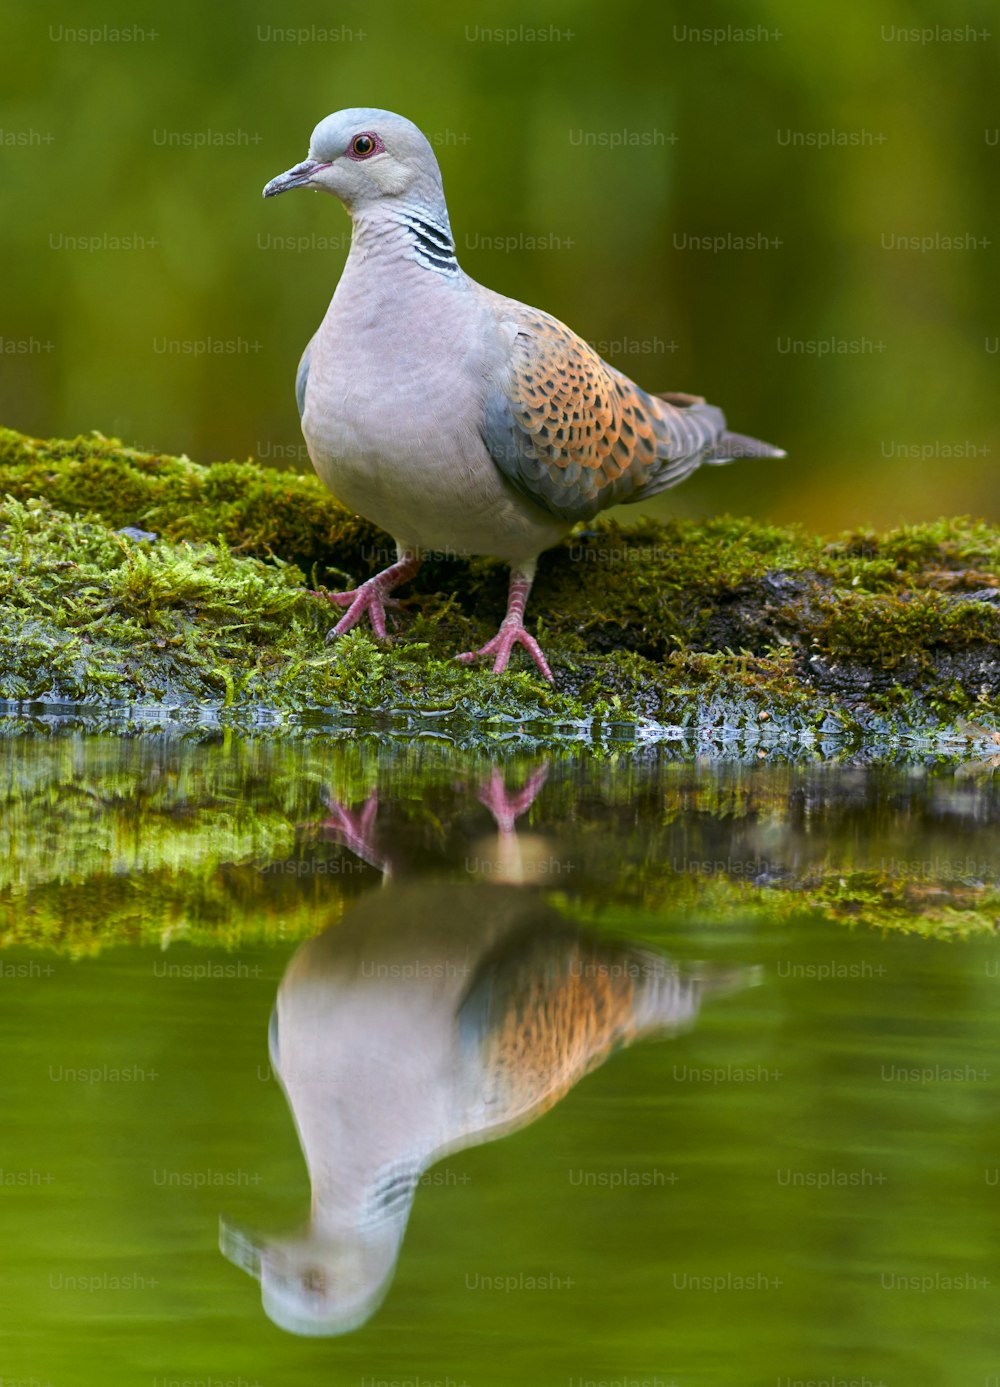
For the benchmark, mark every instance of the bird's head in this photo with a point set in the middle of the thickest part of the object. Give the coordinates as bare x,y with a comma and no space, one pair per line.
316,1285
363,156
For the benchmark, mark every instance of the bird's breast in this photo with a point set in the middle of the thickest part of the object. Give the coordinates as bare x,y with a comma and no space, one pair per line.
394,382
393,413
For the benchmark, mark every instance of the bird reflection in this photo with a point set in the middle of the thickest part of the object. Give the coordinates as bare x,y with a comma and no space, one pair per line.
433,1016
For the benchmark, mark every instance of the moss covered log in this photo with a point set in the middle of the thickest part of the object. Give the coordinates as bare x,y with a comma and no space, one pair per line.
728,623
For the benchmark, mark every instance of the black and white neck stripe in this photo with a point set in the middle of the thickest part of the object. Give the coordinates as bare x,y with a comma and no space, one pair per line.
430,242
392,1195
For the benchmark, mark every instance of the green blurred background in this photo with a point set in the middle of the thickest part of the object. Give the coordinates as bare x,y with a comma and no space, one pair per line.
166,137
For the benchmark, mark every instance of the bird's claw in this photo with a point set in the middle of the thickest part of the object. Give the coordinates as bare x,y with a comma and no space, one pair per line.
369,597
502,644
373,596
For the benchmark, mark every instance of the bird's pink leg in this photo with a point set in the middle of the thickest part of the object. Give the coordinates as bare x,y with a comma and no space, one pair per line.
373,595
512,630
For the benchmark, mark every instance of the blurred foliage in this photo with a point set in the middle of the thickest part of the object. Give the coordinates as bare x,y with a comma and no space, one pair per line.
110,840
158,298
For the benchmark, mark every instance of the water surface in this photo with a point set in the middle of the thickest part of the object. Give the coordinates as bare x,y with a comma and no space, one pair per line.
791,1173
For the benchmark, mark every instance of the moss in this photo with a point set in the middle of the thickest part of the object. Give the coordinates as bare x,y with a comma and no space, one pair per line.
255,510
756,629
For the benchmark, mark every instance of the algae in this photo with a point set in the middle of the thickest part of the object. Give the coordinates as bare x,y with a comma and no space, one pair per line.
758,630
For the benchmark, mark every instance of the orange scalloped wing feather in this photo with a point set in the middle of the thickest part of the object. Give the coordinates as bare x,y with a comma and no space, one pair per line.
575,435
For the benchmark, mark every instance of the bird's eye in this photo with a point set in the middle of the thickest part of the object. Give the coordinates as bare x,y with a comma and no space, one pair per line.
362,146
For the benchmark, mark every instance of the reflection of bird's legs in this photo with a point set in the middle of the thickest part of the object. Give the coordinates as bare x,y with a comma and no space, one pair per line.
355,830
505,807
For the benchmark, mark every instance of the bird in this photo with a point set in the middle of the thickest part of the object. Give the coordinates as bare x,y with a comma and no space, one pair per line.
433,1016
458,420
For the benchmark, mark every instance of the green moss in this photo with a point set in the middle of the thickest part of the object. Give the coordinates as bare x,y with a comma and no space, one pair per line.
761,630
255,510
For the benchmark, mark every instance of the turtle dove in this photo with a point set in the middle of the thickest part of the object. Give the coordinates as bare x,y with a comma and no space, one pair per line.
460,421
434,1016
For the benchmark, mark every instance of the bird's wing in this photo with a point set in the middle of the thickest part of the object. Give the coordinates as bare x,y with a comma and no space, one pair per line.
545,1007
574,435
302,378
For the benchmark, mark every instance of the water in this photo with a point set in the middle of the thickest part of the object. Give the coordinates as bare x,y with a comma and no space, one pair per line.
787,1171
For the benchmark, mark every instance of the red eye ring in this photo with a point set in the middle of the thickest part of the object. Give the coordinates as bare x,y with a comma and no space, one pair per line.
364,145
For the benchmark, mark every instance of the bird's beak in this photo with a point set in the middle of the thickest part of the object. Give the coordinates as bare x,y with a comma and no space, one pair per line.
298,177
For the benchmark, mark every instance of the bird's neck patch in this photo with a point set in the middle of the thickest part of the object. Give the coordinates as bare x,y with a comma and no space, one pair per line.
391,1196
429,242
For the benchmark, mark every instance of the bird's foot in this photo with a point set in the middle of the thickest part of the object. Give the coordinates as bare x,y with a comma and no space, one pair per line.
372,597
358,601
511,633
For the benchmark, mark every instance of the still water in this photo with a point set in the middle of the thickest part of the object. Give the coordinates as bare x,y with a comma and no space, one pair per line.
378,1061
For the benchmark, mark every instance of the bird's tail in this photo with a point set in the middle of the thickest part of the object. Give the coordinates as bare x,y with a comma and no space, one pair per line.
721,980
729,447
670,996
